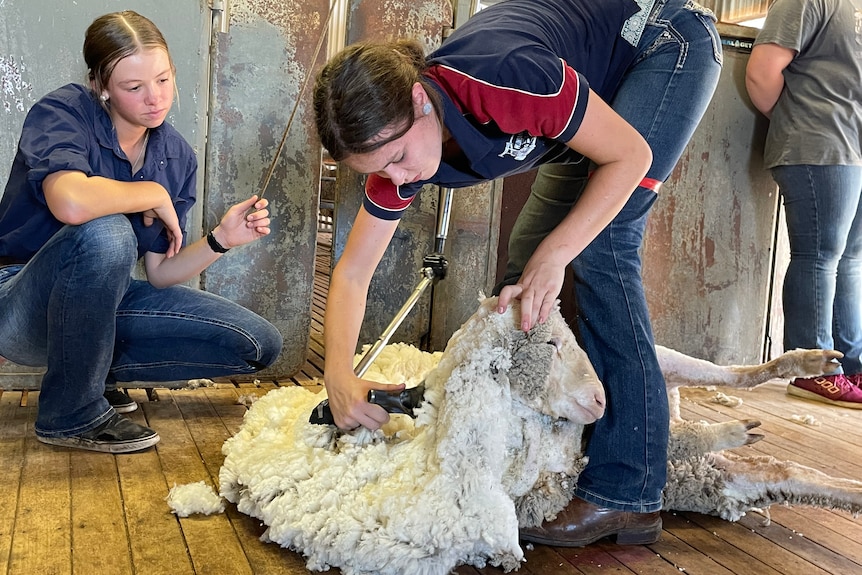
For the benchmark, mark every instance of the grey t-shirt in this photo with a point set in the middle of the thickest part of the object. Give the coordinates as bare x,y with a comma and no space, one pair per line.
818,117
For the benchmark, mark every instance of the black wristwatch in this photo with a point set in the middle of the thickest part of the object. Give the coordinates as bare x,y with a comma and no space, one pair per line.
214,245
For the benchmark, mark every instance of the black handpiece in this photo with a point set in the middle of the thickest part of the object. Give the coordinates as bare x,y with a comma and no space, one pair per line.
392,401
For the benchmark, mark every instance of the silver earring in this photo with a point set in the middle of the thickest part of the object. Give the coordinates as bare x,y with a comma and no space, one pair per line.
426,109
103,98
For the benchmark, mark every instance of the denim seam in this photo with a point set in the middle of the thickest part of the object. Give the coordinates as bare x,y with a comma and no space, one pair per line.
645,507
648,440
123,367
818,296
193,318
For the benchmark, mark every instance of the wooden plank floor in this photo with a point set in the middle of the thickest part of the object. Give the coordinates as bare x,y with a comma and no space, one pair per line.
65,512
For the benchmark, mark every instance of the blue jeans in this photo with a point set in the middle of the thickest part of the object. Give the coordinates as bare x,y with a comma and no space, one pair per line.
75,309
823,286
663,95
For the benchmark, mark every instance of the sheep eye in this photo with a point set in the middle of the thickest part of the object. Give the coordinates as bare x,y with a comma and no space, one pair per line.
556,342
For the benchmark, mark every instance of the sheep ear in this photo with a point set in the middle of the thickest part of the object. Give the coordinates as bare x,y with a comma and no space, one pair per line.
531,362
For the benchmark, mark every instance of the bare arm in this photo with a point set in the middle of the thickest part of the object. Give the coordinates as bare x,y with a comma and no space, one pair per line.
75,198
622,157
236,228
345,308
764,79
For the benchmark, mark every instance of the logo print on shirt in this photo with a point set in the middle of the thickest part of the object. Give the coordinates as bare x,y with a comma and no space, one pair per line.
519,146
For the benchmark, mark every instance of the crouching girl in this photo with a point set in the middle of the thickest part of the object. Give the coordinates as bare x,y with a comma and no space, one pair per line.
100,181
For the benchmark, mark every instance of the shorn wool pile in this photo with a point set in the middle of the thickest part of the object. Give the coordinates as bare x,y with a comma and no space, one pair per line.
495,445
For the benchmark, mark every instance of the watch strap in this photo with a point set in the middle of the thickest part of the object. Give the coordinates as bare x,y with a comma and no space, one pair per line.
214,245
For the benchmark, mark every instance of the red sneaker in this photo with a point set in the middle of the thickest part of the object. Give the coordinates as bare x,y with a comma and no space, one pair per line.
856,379
835,389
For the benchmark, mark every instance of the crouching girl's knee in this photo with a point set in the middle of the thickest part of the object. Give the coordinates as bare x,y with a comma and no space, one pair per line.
109,242
264,339
270,342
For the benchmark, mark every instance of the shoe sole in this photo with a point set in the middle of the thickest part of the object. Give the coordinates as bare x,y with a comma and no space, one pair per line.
810,395
643,536
102,446
127,408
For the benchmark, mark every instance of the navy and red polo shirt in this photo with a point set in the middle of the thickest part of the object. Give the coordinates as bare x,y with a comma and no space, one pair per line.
514,81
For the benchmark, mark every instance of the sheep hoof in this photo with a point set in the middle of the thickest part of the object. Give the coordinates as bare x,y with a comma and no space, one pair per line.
750,424
754,438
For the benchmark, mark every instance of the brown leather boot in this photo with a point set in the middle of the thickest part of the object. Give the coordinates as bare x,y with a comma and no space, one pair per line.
582,523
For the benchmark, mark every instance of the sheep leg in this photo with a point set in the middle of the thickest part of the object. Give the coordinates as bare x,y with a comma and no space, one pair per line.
696,438
681,370
761,481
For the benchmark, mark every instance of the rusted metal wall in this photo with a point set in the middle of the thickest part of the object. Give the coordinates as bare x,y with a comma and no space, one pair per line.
471,249
258,70
708,254
472,234
398,272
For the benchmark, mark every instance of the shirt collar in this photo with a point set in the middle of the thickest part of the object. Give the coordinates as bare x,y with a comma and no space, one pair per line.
104,128
472,142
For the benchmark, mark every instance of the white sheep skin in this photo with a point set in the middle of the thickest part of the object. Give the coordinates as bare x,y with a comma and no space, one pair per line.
495,445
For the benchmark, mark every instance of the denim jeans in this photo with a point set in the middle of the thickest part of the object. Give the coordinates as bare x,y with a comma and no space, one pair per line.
822,294
75,309
663,95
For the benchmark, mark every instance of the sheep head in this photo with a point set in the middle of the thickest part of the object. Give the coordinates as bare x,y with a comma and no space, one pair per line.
551,373
554,392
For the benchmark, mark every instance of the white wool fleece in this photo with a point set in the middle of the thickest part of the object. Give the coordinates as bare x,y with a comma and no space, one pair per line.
416,498
192,498
420,498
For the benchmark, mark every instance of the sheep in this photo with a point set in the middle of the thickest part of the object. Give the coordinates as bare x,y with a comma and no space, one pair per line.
496,445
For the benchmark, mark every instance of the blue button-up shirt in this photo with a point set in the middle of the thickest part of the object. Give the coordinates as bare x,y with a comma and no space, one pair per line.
68,130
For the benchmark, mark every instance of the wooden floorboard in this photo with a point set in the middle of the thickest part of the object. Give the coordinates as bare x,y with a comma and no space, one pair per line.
70,512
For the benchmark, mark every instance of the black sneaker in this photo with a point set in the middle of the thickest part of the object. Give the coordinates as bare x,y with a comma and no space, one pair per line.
117,435
120,401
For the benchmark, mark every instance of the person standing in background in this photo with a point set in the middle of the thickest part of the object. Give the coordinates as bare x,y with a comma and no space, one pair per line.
805,75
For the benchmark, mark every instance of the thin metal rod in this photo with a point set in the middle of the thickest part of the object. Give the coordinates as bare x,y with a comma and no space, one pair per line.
444,210
298,100
381,342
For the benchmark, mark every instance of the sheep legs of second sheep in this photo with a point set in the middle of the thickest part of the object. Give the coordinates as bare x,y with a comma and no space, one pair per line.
727,484
680,370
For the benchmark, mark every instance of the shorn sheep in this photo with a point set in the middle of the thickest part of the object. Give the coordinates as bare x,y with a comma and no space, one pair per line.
497,444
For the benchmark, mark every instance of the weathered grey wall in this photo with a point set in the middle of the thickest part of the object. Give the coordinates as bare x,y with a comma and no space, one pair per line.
259,68
471,249
708,254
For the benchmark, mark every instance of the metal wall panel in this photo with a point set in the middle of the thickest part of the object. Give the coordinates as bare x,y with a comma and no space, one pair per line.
708,254
471,250
259,68
41,50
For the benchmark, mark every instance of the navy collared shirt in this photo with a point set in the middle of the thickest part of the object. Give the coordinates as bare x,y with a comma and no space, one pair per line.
68,130
514,82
